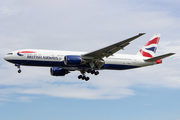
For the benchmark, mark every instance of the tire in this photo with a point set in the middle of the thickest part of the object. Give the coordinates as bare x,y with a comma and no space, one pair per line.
80,76
19,71
89,71
87,78
83,77
96,73
93,71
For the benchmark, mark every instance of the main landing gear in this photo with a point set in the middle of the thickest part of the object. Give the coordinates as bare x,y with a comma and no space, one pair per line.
18,66
93,72
83,76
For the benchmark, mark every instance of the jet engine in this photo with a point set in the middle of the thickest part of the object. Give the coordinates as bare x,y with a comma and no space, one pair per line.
56,71
159,61
72,60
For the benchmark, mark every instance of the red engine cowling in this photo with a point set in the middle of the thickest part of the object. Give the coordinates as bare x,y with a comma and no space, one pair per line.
159,61
56,71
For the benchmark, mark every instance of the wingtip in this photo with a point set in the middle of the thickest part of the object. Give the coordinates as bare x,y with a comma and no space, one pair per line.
172,53
142,33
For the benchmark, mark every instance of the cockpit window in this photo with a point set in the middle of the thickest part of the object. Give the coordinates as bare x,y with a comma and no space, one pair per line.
9,53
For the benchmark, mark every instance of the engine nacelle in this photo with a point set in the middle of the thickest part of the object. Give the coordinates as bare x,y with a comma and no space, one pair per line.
56,71
159,61
72,60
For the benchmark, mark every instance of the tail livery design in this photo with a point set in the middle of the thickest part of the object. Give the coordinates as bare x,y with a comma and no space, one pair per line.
149,49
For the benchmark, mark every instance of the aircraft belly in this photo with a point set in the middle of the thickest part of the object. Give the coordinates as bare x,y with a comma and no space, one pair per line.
119,64
62,65
118,67
38,63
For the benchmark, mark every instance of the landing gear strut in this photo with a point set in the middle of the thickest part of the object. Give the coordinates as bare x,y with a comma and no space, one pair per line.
83,76
18,66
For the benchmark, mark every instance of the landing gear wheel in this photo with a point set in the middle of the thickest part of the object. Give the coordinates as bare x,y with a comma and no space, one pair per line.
19,71
89,71
83,77
96,73
80,76
93,71
87,78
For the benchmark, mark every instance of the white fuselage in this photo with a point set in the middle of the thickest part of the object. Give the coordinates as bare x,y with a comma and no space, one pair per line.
55,58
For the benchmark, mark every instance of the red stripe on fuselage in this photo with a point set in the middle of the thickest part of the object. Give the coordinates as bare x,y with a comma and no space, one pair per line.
154,41
27,52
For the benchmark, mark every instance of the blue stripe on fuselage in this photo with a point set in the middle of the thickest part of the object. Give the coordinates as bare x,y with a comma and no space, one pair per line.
61,64
37,63
118,67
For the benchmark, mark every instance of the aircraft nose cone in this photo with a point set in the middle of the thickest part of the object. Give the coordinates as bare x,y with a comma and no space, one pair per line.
5,58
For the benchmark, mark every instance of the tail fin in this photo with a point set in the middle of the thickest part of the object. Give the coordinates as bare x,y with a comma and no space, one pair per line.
149,49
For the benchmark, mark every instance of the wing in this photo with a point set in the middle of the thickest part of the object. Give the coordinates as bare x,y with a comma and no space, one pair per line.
110,50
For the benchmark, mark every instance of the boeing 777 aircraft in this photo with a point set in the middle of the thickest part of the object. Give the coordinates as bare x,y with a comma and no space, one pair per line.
63,62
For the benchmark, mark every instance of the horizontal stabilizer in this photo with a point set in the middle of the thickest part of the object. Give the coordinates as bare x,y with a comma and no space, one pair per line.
159,57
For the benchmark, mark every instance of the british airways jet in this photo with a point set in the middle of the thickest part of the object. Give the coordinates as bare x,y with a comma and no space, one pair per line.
63,62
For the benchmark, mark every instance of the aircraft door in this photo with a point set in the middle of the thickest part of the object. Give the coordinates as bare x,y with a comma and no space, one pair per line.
134,60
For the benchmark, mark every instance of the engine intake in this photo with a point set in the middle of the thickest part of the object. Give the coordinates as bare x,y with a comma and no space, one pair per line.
72,60
56,71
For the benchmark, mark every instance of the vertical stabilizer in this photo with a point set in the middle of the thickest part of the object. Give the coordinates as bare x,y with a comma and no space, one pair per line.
149,49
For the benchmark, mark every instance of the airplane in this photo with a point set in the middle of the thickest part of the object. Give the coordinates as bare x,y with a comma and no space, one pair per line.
63,62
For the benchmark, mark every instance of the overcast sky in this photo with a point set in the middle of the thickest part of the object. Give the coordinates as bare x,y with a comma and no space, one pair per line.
86,25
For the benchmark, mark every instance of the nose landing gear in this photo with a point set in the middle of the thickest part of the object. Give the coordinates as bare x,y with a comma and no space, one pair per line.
18,66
